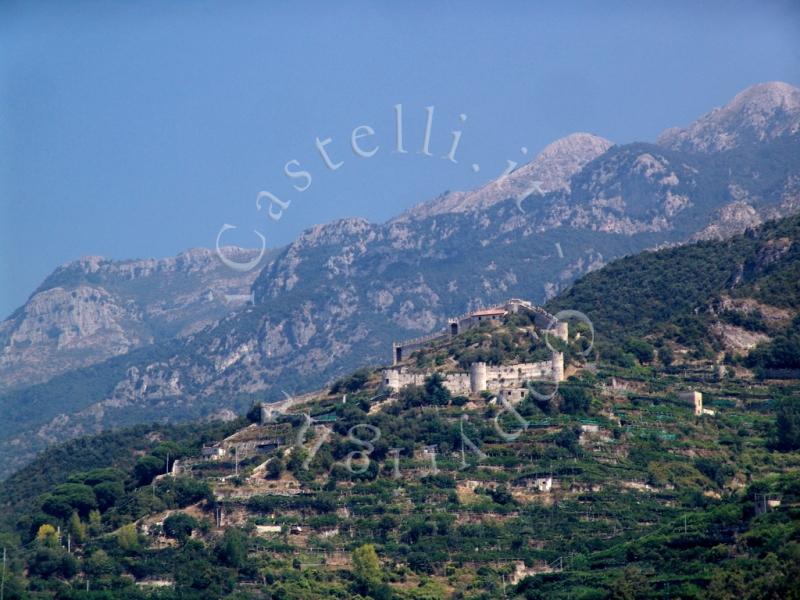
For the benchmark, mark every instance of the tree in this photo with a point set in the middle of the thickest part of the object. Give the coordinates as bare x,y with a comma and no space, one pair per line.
101,475
787,420
576,398
179,526
56,506
99,565
412,395
716,471
642,350
436,393
666,356
274,468
107,493
146,469
568,439
459,400
727,584
501,495
352,383
187,491
366,566
296,460
232,549
49,562
47,536
128,538
77,495
95,523
77,529
254,414
630,585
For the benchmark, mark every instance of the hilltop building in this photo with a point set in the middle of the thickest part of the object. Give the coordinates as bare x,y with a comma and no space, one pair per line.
507,381
462,323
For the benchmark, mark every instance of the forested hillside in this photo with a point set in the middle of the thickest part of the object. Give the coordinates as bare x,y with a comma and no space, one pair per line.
698,297
607,485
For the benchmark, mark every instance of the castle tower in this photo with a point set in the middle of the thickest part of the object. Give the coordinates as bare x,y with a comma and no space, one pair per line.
557,364
698,403
562,330
397,353
477,377
453,325
391,380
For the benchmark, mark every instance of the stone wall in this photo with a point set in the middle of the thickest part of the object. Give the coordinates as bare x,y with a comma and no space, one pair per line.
481,377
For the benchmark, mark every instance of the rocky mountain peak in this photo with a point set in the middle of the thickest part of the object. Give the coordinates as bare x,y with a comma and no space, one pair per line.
93,308
559,161
760,113
334,232
194,260
85,264
553,167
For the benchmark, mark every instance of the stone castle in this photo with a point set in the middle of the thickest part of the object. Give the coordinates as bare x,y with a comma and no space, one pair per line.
455,325
506,381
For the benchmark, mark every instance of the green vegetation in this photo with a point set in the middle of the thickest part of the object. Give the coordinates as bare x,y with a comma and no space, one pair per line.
673,297
607,487
647,500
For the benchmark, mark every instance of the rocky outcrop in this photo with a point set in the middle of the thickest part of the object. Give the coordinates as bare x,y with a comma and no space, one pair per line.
729,220
93,308
550,171
760,113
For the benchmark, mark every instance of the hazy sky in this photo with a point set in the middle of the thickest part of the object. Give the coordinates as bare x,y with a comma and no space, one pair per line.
139,129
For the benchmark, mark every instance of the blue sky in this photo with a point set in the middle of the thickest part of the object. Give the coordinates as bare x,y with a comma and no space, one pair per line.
139,129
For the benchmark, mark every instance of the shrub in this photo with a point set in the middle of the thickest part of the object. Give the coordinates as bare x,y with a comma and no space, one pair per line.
179,526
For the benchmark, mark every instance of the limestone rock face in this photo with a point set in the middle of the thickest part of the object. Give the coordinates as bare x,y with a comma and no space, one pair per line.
59,329
731,219
93,308
552,169
760,113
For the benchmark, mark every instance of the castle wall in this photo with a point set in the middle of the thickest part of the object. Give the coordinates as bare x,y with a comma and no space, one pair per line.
481,377
561,329
396,379
458,383
512,395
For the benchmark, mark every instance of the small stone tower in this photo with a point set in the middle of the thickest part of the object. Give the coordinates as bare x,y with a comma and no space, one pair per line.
477,377
397,353
695,399
391,380
557,363
562,330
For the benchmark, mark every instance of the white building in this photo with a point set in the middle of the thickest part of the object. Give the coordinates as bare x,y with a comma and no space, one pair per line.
696,399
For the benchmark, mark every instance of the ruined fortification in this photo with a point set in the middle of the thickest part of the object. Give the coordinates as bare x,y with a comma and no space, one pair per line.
507,381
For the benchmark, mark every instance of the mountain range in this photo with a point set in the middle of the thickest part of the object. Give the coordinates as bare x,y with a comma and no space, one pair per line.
102,344
657,468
